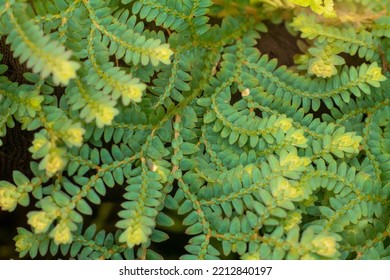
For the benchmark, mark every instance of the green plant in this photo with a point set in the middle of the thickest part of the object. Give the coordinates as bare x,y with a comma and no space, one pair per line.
190,121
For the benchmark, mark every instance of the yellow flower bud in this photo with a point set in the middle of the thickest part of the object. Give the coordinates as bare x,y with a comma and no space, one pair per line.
23,242
8,197
63,70
328,9
324,7
298,139
161,53
282,188
322,69
38,143
53,162
35,102
62,234
292,162
131,92
293,219
284,124
303,3
374,73
39,221
325,246
134,235
347,142
104,114
74,136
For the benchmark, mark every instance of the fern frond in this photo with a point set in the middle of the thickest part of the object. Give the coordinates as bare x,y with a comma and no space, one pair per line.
31,46
175,15
362,43
104,76
133,47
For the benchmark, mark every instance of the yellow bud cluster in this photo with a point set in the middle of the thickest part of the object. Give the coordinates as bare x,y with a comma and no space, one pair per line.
74,136
325,246
161,53
35,102
292,162
53,162
293,219
374,73
135,234
322,7
322,68
8,197
38,143
347,142
132,92
23,242
298,139
284,123
62,234
63,70
104,114
282,189
39,221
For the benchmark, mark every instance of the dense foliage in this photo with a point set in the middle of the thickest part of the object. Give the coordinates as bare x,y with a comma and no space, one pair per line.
171,103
